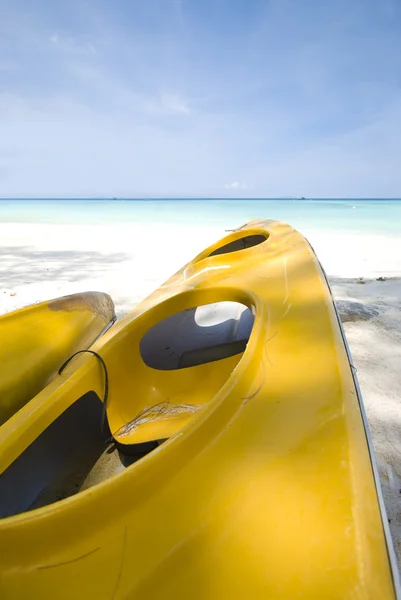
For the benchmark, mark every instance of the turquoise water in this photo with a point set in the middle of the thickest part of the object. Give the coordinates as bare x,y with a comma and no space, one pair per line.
353,216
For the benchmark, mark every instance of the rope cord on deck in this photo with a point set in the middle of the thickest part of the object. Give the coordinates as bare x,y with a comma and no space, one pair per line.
106,382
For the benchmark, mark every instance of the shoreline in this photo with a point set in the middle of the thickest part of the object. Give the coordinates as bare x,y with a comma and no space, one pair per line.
129,260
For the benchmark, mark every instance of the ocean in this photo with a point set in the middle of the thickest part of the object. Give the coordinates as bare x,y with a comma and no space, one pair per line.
373,216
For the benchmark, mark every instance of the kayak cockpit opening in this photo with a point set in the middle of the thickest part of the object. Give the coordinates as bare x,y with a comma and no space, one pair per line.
56,463
242,243
186,358
197,336
69,456
164,378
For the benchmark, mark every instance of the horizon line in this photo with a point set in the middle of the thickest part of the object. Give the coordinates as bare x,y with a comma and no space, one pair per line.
150,198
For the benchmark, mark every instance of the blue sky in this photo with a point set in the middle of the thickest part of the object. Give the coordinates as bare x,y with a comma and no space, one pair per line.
200,98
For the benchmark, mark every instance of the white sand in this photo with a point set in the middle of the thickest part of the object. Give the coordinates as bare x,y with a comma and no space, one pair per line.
375,344
44,261
39,261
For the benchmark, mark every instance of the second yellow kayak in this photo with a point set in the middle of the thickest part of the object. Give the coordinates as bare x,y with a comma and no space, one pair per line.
36,340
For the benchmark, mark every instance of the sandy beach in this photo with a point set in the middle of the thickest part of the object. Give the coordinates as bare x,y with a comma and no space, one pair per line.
42,261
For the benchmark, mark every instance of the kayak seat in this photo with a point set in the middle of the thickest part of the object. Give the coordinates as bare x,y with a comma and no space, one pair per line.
196,336
198,356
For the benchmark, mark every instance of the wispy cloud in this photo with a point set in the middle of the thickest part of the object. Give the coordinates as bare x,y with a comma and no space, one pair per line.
174,104
236,185
125,95
70,44
178,8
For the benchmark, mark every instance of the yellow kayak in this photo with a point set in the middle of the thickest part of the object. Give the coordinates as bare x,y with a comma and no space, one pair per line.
36,340
214,447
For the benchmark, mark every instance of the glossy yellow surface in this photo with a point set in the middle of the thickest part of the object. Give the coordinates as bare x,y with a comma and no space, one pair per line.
267,492
36,340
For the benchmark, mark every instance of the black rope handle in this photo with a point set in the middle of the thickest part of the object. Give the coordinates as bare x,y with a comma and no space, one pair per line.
106,382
